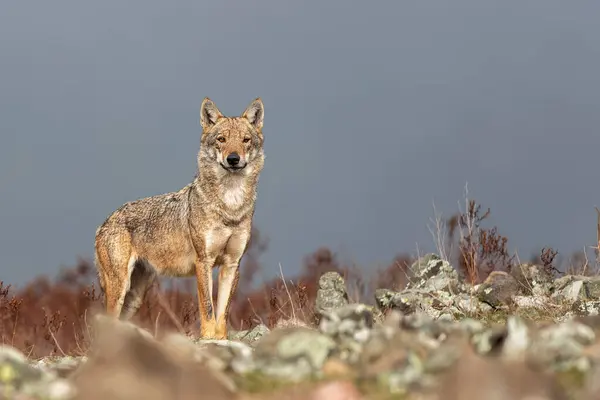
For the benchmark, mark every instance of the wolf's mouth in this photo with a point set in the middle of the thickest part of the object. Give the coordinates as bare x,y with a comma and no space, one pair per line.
233,169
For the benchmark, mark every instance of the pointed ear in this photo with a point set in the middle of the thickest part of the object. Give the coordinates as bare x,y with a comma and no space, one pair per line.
255,113
209,114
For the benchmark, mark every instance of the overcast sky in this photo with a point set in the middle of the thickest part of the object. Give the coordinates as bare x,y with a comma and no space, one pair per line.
372,112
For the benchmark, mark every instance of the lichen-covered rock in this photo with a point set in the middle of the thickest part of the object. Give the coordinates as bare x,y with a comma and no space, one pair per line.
534,279
411,301
250,335
331,293
61,366
431,273
467,304
293,353
223,355
498,289
350,326
20,379
592,288
568,289
586,307
396,360
561,347
353,321
571,288
532,302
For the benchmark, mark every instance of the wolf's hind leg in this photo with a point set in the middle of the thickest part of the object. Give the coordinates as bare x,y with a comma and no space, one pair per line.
142,277
115,263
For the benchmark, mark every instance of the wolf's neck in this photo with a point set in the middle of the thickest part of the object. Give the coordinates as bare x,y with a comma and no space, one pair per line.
234,191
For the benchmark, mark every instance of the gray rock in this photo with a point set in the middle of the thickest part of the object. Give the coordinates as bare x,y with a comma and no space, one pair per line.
467,304
470,326
20,379
353,321
533,279
561,347
568,289
410,301
534,302
62,366
331,293
251,335
433,274
498,289
396,361
586,308
350,326
422,268
293,353
592,288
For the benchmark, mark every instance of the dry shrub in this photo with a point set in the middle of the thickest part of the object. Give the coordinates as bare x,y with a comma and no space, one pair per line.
480,250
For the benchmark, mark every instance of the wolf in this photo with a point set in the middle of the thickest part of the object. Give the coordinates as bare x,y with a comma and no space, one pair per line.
189,232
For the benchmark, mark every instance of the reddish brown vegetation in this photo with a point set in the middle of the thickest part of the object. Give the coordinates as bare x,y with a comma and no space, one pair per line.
53,316
481,250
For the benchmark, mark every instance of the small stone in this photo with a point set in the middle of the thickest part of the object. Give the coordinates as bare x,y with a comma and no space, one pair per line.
251,335
498,289
535,302
308,344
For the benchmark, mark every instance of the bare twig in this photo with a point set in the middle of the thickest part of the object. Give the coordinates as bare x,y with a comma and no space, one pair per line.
255,313
156,324
169,312
288,292
56,342
439,235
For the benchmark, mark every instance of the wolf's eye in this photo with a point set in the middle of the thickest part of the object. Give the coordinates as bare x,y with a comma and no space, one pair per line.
246,140
221,139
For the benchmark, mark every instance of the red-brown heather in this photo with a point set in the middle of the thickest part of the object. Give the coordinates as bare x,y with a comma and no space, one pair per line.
53,316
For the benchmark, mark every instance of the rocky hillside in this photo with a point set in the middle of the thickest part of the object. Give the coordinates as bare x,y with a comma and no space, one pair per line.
518,335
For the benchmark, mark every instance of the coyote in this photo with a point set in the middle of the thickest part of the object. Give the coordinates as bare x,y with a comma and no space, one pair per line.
189,232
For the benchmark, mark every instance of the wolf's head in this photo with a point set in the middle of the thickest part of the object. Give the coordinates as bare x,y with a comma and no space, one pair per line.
231,145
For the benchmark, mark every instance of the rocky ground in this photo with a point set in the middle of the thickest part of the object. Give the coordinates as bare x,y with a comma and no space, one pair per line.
519,335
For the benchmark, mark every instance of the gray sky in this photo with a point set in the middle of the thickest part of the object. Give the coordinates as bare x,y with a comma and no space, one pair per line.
372,112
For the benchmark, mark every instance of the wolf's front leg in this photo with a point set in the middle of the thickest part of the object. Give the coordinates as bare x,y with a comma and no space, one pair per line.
229,275
228,279
205,300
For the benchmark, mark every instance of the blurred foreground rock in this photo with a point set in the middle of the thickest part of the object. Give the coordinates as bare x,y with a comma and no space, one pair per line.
518,335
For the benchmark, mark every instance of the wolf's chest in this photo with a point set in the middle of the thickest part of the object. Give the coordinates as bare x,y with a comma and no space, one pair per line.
234,196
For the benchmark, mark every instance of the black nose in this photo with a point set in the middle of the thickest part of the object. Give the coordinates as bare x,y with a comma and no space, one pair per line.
233,159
